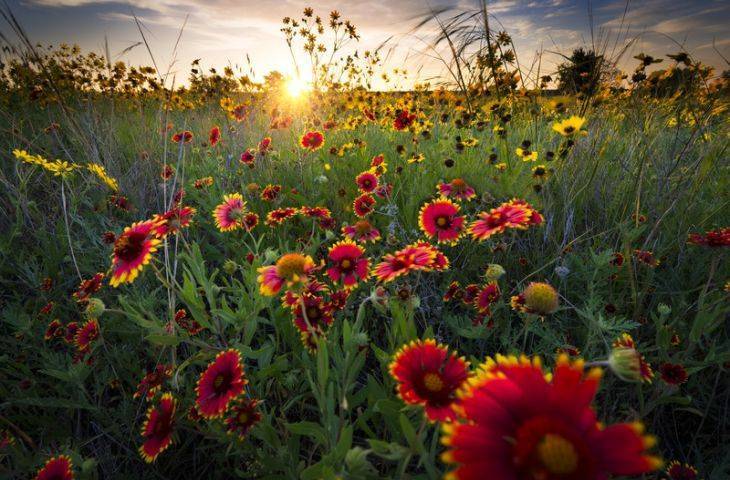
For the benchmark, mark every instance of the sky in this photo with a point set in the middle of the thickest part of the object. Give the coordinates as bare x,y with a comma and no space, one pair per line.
224,32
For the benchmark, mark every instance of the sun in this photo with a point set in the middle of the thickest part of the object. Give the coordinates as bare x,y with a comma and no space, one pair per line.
296,87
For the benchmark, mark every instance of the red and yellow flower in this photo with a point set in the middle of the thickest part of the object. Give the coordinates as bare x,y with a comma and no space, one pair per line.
681,471
280,215
56,468
348,264
513,214
158,427
230,214
86,335
361,231
291,270
413,257
174,220
712,238
518,421
457,189
363,205
133,250
242,416
428,375
645,370
153,381
367,182
214,136
441,219
312,141
220,383
88,287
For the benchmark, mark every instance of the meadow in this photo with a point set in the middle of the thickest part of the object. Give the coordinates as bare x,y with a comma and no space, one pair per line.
232,279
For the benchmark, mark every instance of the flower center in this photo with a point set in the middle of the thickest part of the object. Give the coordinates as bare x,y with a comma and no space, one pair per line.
569,129
345,264
242,417
313,313
291,266
442,222
218,382
433,382
557,454
129,247
458,185
363,226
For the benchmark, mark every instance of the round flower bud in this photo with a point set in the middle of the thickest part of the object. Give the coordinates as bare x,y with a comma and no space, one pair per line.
94,308
494,272
230,267
625,362
541,298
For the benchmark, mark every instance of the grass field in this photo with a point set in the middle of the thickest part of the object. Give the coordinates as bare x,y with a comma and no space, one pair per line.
232,282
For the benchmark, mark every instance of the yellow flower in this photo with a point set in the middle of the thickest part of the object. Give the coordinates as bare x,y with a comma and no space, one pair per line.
416,158
526,154
100,172
570,126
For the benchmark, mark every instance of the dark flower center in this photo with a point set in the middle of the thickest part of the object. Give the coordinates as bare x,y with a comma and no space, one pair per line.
129,247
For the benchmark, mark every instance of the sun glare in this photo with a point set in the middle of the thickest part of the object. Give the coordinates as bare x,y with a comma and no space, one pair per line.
296,87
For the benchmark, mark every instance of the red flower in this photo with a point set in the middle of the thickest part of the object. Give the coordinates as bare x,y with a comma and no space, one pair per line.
54,330
646,257
243,415
457,188
316,315
88,287
71,330
173,220
153,381
441,219
363,205
428,375
378,165
190,326
86,335
361,231
367,182
157,428
248,158
679,471
417,256
488,294
270,192
56,468
184,137
292,270
348,264
672,373
214,136
453,292
518,422
403,119
312,140
250,220
220,383
133,250
617,259
279,215
513,214
264,145
711,238
229,215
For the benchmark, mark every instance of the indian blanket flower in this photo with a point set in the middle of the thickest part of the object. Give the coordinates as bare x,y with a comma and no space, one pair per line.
541,298
214,136
440,219
363,205
367,182
681,471
570,126
279,215
515,214
378,166
672,373
712,238
270,192
248,157
517,421
174,220
626,341
361,231
487,295
133,250
453,292
229,215
152,382
413,257
185,136
403,119
243,415
458,189
291,270
220,383
86,334
312,141
88,287
264,145
647,258
429,375
158,427
348,263
312,314
53,330
56,468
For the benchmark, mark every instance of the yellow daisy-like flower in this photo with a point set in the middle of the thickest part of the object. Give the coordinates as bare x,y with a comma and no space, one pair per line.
570,126
101,172
526,154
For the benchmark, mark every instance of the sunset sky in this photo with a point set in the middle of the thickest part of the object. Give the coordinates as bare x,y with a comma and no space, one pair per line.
222,32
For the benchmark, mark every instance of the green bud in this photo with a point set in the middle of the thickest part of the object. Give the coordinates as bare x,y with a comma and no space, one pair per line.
625,362
230,267
494,272
94,308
